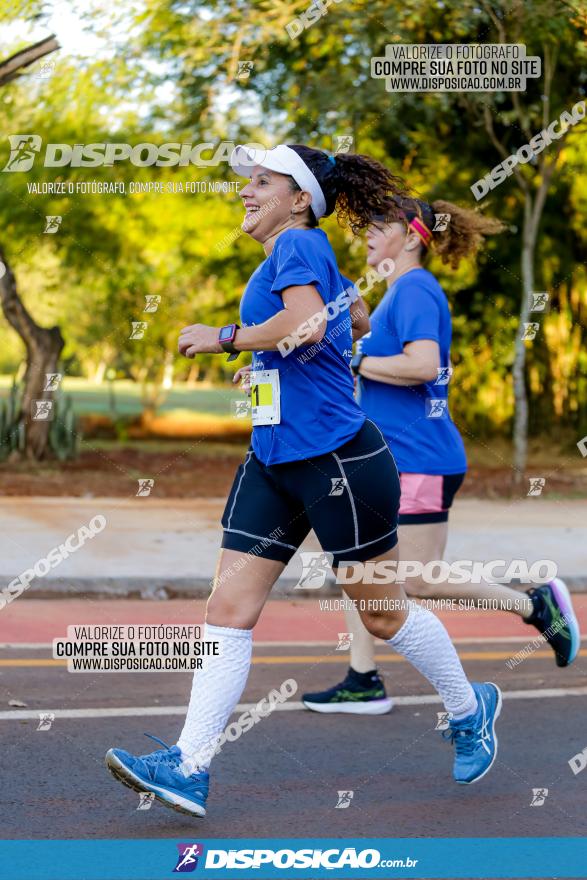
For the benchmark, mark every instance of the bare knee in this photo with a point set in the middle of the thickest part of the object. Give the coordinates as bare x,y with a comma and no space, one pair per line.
222,611
383,624
419,589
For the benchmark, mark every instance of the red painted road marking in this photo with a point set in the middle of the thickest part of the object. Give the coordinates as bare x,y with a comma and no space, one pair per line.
41,620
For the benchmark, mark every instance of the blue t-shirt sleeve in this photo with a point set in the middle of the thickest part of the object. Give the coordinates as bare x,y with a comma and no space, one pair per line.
349,287
416,314
296,263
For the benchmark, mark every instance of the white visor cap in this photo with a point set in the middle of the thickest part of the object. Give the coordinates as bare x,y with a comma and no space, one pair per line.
285,161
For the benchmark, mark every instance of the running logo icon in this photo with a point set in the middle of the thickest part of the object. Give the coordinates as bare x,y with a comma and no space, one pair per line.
144,489
138,329
43,410
315,568
46,719
187,860
244,69
441,222
52,223
436,408
530,331
23,149
52,381
539,301
46,71
443,720
241,408
146,799
152,301
342,143
344,641
339,484
344,800
443,377
536,486
539,795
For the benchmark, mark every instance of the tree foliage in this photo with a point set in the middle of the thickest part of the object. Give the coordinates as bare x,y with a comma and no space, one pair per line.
111,251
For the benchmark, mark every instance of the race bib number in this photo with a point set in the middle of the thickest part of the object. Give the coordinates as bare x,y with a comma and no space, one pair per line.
265,403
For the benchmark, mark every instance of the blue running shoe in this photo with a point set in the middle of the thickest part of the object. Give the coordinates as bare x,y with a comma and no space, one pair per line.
361,693
160,773
474,737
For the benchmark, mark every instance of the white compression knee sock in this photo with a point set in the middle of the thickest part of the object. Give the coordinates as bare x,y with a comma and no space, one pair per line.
424,641
216,690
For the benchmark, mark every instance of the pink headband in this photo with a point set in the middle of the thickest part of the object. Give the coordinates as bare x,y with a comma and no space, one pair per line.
421,230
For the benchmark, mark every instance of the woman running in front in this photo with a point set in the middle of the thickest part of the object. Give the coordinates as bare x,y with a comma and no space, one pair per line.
400,364
309,436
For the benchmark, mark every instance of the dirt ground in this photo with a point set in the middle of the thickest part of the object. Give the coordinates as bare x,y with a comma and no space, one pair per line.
207,471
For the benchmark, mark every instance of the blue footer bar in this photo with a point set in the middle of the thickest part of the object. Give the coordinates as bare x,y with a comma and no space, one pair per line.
224,859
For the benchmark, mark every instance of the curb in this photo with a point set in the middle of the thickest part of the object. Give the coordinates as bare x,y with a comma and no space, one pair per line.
161,588
149,588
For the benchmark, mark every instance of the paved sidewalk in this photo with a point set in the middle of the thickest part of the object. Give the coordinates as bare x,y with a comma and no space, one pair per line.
158,548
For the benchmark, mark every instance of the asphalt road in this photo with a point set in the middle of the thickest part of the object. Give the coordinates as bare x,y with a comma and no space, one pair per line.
282,778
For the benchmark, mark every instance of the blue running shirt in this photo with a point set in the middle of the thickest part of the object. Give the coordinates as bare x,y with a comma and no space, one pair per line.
318,409
415,420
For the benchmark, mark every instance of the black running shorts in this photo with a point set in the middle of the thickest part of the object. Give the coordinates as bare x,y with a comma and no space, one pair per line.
350,497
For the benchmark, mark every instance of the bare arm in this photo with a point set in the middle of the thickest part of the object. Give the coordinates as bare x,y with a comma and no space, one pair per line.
360,318
418,363
302,321
303,318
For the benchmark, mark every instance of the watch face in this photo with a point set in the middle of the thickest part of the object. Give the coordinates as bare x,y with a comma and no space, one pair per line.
226,333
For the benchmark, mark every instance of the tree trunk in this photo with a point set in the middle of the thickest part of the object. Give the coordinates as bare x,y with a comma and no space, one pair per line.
532,214
44,346
519,366
100,372
193,375
167,382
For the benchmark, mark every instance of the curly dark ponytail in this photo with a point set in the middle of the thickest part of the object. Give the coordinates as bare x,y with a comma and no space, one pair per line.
355,186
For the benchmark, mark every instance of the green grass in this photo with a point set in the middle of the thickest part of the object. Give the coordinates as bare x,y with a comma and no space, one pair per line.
92,399
207,448
88,398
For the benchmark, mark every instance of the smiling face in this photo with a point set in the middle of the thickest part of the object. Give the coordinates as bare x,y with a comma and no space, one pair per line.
269,203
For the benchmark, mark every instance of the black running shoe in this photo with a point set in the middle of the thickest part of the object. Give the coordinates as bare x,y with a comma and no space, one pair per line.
359,694
555,618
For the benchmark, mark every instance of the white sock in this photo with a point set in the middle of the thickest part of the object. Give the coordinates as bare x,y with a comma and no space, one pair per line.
216,690
424,641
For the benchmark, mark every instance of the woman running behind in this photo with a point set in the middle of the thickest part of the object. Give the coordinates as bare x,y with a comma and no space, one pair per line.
308,435
404,369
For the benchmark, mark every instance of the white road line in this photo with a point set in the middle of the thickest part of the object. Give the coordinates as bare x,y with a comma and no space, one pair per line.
140,711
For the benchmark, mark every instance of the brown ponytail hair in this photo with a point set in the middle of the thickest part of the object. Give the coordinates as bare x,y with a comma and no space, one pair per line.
465,232
460,235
